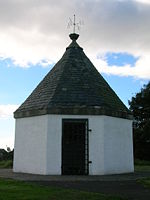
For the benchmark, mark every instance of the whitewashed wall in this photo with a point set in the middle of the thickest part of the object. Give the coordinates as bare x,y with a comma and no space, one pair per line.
96,144
38,144
118,147
30,145
54,138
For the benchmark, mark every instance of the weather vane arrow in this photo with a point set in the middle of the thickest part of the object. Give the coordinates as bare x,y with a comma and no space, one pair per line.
75,24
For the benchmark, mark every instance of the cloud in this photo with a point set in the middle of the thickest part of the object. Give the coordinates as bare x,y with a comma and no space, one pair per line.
34,31
143,1
6,111
141,69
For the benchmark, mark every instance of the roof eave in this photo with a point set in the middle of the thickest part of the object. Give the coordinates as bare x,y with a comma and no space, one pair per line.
82,110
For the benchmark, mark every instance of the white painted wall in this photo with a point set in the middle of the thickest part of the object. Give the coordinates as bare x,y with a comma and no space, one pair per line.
54,144
39,139
96,144
30,145
118,147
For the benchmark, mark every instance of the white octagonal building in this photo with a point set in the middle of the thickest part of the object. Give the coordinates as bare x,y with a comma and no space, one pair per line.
73,123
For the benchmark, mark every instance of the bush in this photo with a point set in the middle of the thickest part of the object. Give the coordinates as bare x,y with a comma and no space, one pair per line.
6,164
6,155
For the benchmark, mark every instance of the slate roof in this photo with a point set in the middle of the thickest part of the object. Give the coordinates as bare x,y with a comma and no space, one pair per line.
73,86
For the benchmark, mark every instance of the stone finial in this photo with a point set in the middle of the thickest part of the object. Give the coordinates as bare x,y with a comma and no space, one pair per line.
74,36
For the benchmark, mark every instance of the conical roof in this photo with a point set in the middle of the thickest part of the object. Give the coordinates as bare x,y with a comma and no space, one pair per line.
73,86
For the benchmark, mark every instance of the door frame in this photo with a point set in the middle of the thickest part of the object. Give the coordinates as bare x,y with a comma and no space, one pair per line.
86,141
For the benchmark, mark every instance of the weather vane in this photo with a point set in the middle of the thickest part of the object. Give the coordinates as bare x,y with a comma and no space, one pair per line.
75,24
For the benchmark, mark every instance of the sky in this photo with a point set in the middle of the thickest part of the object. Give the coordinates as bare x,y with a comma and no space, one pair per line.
115,35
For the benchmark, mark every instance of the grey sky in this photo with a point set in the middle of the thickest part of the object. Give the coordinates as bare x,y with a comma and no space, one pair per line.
33,30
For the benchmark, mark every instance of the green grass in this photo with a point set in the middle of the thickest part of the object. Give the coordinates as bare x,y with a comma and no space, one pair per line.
6,164
141,168
141,162
142,165
145,182
17,190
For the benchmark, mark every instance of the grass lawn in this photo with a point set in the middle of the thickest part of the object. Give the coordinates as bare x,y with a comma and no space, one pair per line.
145,168
18,190
6,164
145,182
142,165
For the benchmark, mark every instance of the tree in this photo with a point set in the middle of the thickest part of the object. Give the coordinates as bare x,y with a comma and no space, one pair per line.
140,107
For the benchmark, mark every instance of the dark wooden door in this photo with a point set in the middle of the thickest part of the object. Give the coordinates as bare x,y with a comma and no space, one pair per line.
74,147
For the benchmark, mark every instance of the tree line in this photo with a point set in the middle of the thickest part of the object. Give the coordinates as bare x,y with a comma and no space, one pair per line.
6,155
140,108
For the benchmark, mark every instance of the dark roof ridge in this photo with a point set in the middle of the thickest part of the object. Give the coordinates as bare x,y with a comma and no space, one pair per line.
63,60
74,44
57,86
